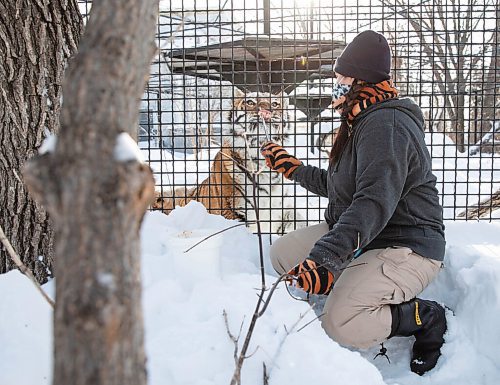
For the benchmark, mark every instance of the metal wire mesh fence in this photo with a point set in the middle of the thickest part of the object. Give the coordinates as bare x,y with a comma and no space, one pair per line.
221,63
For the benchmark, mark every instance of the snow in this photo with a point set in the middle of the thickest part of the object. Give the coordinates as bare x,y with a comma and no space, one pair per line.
48,144
126,149
106,280
185,294
25,332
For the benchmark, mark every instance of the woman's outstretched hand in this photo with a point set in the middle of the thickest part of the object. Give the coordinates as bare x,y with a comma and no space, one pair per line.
278,159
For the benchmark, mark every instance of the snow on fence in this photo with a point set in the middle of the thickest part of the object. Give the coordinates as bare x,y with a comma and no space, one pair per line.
214,55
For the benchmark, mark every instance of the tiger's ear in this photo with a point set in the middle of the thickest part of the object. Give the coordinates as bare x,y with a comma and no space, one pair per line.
238,93
238,98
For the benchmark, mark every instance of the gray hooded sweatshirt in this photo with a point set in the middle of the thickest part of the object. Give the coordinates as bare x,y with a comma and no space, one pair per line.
382,191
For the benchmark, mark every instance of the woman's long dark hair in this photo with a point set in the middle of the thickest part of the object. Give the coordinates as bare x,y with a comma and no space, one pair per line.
342,136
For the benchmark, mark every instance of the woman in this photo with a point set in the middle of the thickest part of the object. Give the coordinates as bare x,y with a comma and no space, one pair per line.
383,206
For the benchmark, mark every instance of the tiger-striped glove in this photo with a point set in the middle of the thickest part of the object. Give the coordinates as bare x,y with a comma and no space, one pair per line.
311,278
278,159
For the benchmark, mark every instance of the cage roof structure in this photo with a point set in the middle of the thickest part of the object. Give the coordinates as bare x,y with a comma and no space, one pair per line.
258,63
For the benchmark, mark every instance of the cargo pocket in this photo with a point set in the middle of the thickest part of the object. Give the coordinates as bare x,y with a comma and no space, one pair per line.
398,271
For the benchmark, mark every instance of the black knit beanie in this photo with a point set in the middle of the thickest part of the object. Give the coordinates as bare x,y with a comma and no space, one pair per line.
367,57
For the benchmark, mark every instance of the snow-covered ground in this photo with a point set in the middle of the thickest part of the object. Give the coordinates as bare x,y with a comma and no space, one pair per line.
185,294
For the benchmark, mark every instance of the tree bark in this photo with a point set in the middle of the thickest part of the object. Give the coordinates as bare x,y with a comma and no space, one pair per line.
491,106
485,207
97,202
36,40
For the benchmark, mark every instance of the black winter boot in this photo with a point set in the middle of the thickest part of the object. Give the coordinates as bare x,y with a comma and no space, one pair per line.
427,322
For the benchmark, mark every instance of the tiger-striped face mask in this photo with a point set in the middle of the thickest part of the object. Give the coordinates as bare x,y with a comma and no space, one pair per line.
338,91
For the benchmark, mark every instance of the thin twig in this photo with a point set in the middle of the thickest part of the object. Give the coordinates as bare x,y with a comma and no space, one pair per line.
175,33
22,267
350,266
301,317
296,298
311,269
251,354
287,333
239,164
271,292
259,231
265,377
231,336
310,322
236,379
252,175
217,233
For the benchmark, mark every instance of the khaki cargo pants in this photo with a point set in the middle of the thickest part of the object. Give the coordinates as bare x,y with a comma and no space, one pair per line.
357,311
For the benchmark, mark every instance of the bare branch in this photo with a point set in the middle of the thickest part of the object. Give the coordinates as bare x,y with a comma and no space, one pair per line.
289,276
236,379
176,32
273,288
22,267
231,336
287,333
217,233
237,373
251,354
310,322
265,378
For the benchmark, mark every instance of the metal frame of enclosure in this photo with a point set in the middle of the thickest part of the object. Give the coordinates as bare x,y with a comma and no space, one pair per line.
446,56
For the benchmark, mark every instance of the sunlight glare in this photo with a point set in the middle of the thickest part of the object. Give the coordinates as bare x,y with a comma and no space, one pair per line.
314,3
304,3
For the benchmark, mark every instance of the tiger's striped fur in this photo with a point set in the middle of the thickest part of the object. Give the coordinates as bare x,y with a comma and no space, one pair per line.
228,190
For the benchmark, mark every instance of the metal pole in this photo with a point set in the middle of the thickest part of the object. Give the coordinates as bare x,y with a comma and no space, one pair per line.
267,17
311,20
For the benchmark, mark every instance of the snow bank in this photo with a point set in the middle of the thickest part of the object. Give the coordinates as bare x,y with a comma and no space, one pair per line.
469,285
185,294
25,332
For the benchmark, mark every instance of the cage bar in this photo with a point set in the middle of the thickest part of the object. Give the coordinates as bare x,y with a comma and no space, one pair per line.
219,61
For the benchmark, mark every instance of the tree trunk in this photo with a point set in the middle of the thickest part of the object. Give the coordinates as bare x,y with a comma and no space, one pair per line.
460,120
36,40
97,202
490,105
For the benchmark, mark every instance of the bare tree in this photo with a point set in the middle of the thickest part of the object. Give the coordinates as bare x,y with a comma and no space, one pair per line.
488,102
444,32
36,40
97,200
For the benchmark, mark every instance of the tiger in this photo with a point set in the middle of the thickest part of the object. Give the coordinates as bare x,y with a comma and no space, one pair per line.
324,142
228,190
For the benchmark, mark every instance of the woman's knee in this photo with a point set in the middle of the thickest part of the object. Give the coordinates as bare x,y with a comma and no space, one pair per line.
277,254
356,327
292,248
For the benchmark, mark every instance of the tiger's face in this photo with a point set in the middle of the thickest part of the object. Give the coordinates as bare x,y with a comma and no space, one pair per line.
256,118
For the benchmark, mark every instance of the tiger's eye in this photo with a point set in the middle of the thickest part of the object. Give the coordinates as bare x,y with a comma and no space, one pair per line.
250,103
275,104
